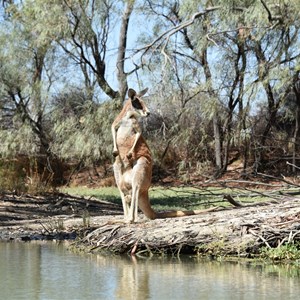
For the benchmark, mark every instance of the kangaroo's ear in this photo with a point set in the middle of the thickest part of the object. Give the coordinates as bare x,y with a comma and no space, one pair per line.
131,93
143,92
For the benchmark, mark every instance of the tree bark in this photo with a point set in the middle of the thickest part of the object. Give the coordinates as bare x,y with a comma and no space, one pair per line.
121,74
216,125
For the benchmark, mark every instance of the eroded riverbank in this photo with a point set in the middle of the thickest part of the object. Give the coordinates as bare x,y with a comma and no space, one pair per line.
96,226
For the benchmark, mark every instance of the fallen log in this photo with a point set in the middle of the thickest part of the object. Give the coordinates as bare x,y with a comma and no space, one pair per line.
238,232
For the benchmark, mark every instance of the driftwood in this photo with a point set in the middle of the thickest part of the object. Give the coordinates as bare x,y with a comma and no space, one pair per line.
240,231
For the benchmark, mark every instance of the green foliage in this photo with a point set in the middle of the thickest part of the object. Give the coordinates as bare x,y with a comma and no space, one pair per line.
18,141
86,137
289,251
232,68
12,177
216,248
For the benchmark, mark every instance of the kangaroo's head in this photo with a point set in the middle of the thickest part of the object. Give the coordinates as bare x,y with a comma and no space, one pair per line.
137,103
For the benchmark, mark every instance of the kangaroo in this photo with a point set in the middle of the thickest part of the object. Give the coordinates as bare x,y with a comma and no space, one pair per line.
133,162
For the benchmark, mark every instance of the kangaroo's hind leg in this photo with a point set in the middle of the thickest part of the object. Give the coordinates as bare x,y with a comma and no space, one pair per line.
125,194
141,180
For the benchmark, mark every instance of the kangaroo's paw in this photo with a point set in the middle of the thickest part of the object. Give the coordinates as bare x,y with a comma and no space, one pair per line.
115,153
129,155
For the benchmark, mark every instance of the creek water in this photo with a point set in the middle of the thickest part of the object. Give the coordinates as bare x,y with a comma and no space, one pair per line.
49,271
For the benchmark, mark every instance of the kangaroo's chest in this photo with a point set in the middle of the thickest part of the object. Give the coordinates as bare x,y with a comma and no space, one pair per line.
126,132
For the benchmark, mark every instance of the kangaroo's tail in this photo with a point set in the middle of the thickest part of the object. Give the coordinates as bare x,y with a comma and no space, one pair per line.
182,213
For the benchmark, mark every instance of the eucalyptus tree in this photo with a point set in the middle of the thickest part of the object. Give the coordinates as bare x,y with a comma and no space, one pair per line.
244,52
26,62
289,121
22,67
94,38
65,66
48,49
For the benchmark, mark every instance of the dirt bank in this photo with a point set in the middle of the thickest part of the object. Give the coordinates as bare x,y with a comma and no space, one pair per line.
97,226
53,216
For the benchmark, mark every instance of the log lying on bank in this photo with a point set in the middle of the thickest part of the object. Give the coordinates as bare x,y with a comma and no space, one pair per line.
240,231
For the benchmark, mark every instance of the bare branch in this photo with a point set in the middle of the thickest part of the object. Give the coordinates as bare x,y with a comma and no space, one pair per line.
91,43
177,28
267,9
271,18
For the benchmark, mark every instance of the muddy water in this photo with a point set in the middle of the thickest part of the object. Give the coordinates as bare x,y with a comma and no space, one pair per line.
48,271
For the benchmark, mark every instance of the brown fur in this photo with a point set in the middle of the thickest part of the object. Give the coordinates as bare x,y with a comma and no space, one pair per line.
133,164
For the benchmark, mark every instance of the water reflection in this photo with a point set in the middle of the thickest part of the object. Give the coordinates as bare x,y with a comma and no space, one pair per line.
203,279
49,271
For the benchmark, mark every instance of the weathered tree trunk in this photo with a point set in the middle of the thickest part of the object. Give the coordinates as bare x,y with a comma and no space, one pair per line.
294,140
218,143
296,92
121,75
212,94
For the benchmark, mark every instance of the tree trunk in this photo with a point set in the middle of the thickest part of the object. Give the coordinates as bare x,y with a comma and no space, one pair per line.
218,144
296,91
121,75
294,140
212,94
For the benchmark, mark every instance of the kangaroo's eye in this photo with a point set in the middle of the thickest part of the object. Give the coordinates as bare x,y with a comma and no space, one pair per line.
137,104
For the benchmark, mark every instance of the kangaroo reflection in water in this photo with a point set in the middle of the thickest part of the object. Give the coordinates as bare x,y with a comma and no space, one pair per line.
133,281
30,271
